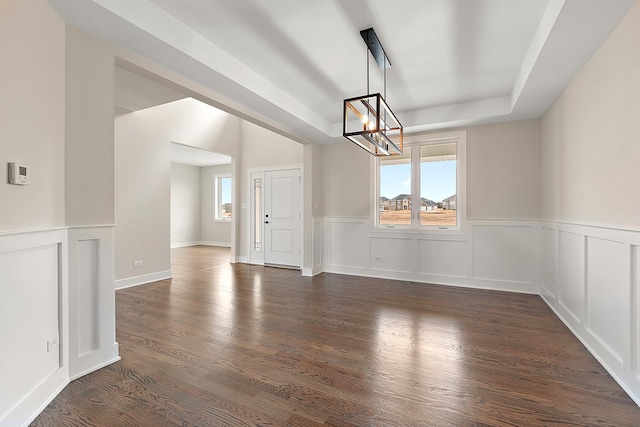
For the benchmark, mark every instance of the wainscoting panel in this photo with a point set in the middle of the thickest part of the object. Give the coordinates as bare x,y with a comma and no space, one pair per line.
318,235
346,243
34,332
92,341
392,254
504,254
608,290
635,314
317,255
597,275
442,258
571,280
549,287
88,295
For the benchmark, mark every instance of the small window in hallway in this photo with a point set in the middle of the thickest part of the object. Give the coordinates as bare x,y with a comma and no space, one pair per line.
223,208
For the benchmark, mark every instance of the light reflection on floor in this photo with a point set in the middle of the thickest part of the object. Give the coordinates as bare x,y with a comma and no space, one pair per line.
408,359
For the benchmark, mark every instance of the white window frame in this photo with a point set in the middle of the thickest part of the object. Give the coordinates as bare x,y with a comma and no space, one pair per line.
415,141
217,186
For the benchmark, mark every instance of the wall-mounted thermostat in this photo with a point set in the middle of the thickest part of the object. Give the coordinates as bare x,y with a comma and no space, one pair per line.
19,174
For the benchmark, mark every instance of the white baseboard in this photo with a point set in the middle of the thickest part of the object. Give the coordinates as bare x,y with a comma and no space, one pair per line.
200,243
95,368
310,272
221,244
184,244
28,409
141,280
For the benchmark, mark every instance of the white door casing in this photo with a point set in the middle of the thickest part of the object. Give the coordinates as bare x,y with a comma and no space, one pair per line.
283,217
256,217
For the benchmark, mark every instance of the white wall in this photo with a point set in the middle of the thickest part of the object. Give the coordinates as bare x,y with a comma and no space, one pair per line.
590,137
503,171
497,247
32,101
143,181
503,174
314,203
185,204
213,232
89,151
143,178
346,180
142,202
89,202
52,125
192,206
590,240
260,148
33,282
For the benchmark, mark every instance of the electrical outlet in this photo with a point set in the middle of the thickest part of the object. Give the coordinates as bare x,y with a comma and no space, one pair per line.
137,263
52,343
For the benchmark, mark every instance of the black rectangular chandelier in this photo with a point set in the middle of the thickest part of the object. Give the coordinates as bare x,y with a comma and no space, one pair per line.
367,120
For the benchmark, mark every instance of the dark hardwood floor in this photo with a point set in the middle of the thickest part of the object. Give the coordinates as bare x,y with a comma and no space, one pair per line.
241,345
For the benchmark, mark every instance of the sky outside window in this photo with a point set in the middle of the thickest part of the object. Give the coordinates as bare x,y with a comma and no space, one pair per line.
225,184
437,180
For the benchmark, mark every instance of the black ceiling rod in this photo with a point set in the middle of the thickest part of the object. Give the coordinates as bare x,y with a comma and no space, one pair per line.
375,47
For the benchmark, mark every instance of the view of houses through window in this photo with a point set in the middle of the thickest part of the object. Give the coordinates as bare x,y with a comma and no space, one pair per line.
433,166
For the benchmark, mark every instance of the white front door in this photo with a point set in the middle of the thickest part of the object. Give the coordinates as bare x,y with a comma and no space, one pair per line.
283,217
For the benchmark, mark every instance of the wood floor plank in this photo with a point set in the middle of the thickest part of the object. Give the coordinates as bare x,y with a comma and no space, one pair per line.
241,345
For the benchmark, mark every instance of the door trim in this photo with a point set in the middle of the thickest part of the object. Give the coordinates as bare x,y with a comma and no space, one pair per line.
251,258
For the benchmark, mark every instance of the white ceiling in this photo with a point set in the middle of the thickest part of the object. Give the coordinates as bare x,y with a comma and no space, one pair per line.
288,64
